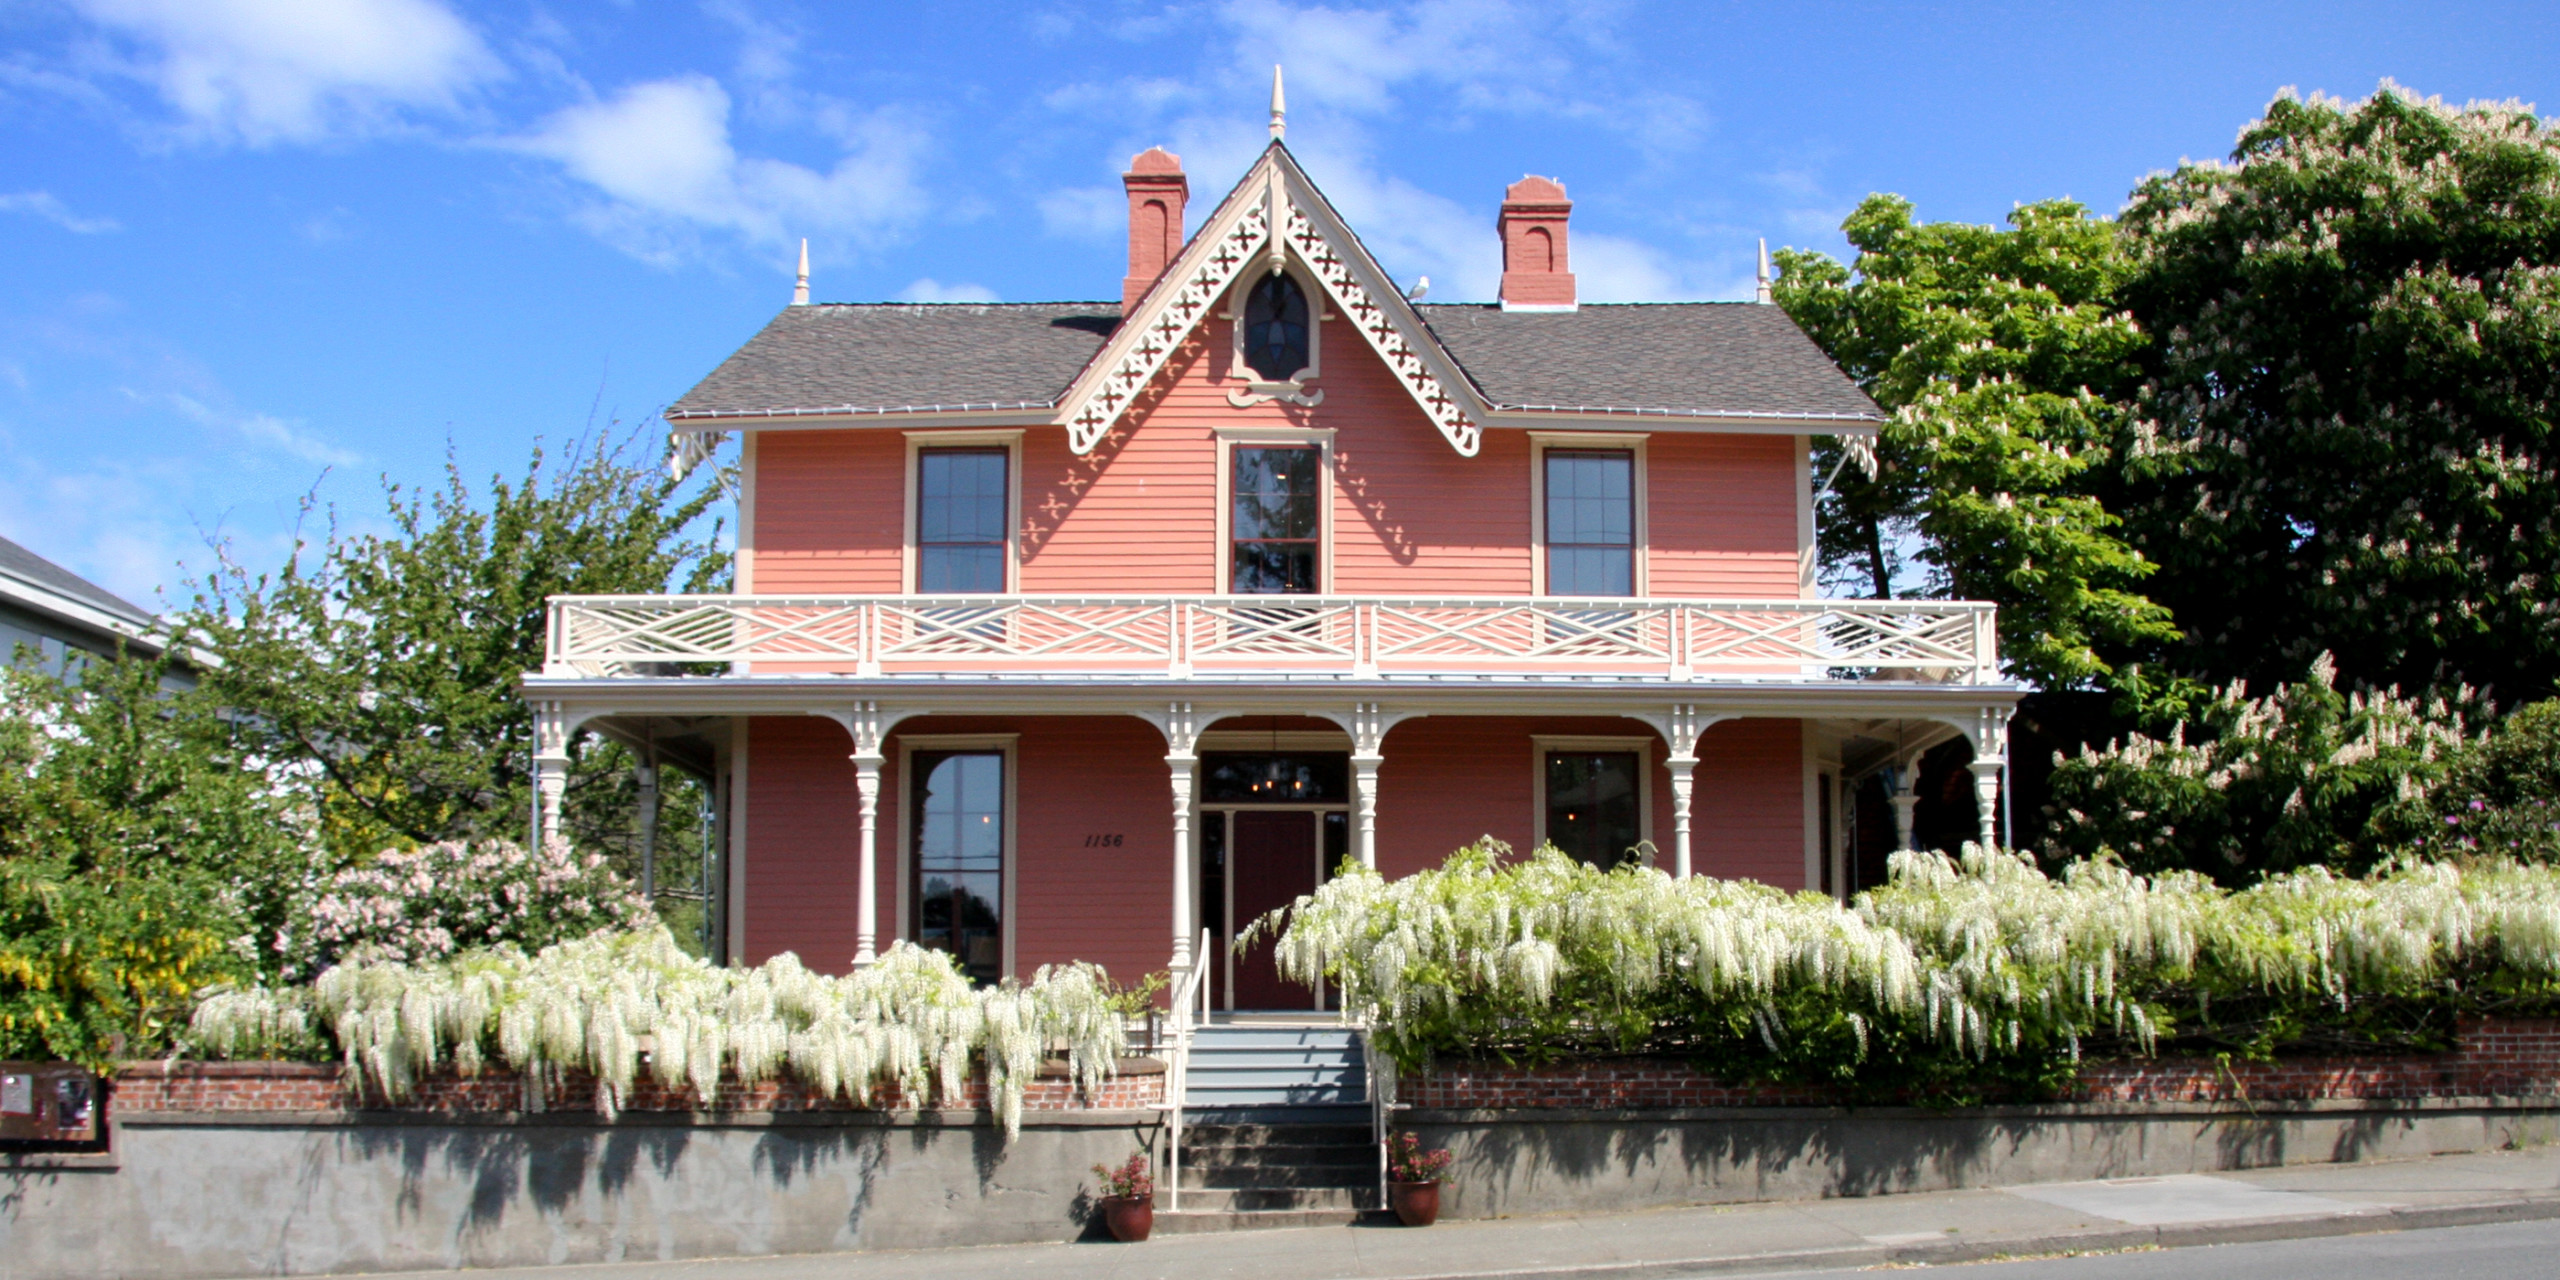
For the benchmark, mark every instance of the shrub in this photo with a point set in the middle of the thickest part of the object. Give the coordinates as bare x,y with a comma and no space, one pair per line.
614,1004
94,969
2306,776
413,905
2502,796
1960,978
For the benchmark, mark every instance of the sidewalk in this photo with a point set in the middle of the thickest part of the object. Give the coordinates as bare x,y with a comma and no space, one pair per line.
1936,1227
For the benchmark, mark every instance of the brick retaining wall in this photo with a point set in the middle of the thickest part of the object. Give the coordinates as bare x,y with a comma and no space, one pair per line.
303,1086
2493,1058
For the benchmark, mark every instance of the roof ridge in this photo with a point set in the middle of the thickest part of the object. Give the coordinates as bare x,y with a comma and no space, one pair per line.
959,302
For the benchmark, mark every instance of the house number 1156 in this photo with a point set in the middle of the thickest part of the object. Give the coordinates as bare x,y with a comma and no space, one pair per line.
1111,841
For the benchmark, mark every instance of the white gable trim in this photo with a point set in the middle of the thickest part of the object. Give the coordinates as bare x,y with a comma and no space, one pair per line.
1273,191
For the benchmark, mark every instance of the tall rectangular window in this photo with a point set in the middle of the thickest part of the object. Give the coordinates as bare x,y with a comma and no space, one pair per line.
957,835
1594,810
960,521
1591,522
1274,520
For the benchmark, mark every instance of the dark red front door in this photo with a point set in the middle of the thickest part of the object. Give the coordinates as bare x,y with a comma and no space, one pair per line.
1273,862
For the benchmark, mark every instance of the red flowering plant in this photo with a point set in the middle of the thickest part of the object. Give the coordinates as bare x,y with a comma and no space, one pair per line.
1409,1161
1130,1181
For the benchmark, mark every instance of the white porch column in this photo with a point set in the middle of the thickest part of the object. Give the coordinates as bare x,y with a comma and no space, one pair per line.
1182,759
550,769
1683,763
1990,761
1369,733
865,724
1905,801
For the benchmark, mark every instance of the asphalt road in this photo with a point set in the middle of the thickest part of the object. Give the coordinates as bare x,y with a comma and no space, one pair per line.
2507,1251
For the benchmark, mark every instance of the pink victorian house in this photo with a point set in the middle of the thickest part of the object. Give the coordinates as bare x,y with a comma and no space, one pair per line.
1092,630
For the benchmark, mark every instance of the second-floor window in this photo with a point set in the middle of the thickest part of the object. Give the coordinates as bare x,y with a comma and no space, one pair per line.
960,521
1274,526
1591,522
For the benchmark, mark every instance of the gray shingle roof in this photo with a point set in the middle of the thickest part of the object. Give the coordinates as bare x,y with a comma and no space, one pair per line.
1712,358
892,356
26,566
1722,358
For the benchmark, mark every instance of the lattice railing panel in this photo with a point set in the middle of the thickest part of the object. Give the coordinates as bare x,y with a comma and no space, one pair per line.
1351,636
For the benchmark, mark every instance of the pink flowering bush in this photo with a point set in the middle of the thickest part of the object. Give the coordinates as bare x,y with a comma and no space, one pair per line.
408,906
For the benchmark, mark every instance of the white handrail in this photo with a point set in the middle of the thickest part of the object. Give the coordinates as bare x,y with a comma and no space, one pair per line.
1360,636
1177,1068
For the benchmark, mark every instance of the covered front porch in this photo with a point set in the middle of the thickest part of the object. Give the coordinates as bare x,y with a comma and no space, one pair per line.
1020,826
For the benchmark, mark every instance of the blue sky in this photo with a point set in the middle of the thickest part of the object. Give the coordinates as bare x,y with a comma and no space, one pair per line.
244,243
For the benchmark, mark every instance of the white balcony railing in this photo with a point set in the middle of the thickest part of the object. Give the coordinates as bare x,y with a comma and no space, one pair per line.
1181,636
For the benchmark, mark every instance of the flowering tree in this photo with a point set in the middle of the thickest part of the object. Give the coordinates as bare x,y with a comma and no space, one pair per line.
2353,403
2308,775
409,906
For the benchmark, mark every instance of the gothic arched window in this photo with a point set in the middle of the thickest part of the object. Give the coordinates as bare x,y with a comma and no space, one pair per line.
1275,328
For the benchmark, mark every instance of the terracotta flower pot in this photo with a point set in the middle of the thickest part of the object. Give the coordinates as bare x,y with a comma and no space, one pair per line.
1417,1204
1129,1217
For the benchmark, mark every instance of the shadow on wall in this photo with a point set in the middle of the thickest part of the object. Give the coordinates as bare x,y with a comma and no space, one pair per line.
1510,1165
498,1194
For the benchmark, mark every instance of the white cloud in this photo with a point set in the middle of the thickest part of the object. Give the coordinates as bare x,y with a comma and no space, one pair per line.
257,428
661,155
262,72
1615,269
1085,213
932,290
43,204
110,523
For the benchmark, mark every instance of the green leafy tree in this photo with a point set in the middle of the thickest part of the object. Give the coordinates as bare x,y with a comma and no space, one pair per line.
2349,442
387,664
146,849
2000,355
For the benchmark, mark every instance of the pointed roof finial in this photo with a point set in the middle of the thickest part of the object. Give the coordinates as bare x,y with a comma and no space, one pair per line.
1763,294
1279,107
800,291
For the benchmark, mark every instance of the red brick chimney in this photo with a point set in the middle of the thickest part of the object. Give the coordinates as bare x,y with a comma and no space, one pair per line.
1534,272
1157,191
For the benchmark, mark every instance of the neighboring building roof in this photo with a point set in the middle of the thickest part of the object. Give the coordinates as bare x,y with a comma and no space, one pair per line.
905,357
1715,359
36,571
33,585
1719,359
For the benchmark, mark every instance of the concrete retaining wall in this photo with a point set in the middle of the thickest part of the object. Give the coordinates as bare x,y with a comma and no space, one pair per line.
215,1194
1550,1160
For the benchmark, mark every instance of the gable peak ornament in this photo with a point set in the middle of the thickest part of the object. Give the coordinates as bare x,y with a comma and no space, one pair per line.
1279,107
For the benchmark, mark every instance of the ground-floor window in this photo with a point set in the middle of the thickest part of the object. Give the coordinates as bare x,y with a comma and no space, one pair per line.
1595,806
957,836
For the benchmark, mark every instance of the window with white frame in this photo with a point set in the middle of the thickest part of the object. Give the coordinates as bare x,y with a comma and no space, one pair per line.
1594,805
962,499
1590,521
956,844
1275,519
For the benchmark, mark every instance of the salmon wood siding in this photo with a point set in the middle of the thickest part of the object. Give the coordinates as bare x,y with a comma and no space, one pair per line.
1450,779
1721,516
802,842
1075,778
830,512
